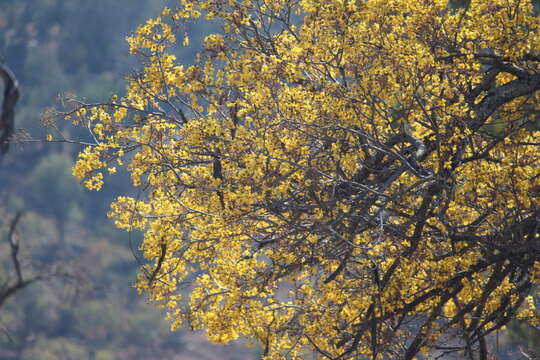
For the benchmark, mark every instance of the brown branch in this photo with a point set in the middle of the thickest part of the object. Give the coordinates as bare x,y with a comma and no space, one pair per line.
156,271
7,114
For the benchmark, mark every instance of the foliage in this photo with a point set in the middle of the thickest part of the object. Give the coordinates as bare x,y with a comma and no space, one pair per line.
50,176
329,175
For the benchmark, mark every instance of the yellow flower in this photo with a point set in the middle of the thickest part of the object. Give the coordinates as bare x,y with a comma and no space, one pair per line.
305,179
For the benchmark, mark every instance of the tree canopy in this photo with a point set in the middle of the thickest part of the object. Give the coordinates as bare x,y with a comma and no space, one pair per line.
354,178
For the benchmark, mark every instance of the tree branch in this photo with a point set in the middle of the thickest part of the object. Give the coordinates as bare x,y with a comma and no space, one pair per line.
7,114
21,282
502,95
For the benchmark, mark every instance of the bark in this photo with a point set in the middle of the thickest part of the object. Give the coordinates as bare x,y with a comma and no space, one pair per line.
7,113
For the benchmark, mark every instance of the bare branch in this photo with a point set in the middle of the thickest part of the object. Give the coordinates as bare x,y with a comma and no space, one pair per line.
9,290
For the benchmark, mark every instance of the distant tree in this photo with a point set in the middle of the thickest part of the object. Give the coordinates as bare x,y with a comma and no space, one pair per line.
54,191
355,178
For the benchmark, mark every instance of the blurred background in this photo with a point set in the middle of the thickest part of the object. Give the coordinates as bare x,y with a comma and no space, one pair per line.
85,306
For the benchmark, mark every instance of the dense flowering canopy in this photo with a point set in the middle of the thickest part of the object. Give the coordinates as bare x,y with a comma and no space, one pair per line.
358,178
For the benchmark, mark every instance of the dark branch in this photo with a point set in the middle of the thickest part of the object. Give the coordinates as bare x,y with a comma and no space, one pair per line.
21,283
15,246
7,113
502,95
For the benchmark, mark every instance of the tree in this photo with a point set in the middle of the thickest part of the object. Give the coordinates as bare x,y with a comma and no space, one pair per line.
55,191
355,178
